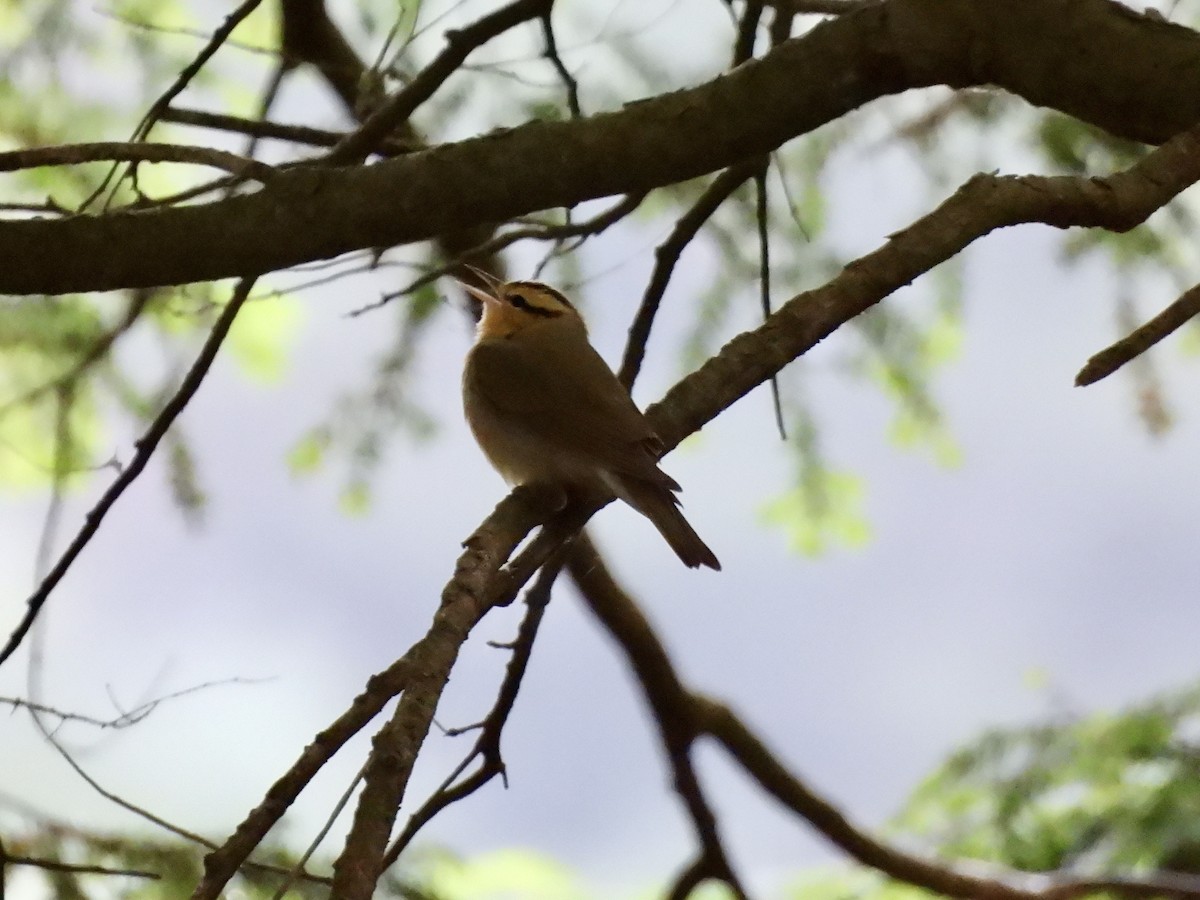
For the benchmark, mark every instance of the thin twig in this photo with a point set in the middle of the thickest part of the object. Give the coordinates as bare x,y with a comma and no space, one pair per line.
181,82
219,36
52,865
568,80
666,256
100,151
487,745
144,449
125,719
764,281
296,134
459,45
298,868
493,245
1113,357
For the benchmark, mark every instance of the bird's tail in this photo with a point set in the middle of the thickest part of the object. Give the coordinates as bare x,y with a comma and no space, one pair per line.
658,504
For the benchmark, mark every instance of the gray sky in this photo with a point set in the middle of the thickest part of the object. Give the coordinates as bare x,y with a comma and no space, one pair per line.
1061,548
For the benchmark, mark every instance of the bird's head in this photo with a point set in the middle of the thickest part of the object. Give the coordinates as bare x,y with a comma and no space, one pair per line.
514,307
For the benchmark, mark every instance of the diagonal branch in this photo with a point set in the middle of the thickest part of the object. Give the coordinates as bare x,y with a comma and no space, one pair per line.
144,449
668,700
879,49
459,45
666,257
101,151
464,601
683,717
1170,320
487,746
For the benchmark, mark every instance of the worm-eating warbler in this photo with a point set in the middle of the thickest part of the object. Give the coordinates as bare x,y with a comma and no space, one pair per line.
546,409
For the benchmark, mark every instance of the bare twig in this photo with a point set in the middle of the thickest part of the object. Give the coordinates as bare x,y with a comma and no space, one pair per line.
124,719
666,256
298,869
494,245
464,601
219,36
53,865
459,44
764,281
1113,357
487,745
73,154
144,449
296,134
551,53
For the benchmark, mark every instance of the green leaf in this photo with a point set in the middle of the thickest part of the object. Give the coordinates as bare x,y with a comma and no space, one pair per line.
308,453
355,499
263,333
506,874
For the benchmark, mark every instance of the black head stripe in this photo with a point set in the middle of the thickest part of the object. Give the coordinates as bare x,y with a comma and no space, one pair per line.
546,289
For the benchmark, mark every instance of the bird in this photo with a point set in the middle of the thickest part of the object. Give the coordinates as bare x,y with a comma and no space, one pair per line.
546,409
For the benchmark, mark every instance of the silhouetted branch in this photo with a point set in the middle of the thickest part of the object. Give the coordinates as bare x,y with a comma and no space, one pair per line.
669,702
257,128
144,449
666,256
53,865
459,45
124,719
568,80
487,745
100,151
1111,358
235,18
492,246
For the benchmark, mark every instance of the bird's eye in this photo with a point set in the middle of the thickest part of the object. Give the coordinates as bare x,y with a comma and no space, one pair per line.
517,301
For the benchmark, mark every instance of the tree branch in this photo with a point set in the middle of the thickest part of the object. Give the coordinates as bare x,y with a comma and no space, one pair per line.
1170,320
101,151
879,49
144,449
668,700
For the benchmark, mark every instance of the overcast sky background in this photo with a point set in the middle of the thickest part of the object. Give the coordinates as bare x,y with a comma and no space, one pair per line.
1053,571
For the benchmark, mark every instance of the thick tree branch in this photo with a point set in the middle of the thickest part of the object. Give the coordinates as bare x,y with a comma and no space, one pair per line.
487,746
683,717
464,601
877,50
671,705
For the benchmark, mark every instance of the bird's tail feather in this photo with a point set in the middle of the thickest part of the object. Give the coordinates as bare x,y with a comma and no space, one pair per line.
659,505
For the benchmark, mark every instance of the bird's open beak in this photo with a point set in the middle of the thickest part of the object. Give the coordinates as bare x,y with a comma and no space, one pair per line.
478,293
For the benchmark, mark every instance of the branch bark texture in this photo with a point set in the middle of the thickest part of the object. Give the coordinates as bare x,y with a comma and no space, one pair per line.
1135,76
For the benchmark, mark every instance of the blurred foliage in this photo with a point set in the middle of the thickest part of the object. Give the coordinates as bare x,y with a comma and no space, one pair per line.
1100,794
95,71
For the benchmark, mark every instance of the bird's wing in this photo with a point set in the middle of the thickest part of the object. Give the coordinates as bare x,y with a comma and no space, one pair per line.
574,404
